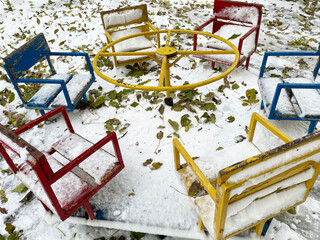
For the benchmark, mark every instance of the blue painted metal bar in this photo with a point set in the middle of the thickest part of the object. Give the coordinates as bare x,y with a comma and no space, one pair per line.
53,71
42,81
67,97
312,126
76,54
16,86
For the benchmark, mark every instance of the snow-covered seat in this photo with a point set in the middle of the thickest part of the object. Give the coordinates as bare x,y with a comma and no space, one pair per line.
124,22
58,89
237,22
245,187
65,177
291,98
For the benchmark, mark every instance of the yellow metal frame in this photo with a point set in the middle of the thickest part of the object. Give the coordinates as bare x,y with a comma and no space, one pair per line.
167,54
221,193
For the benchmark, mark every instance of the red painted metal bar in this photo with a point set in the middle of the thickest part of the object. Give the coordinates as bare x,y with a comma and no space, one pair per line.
195,36
89,210
116,147
8,159
45,117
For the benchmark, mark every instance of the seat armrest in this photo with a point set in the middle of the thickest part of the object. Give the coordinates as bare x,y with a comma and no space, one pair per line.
179,149
44,117
49,81
155,29
288,53
205,24
76,54
276,131
81,54
195,37
242,38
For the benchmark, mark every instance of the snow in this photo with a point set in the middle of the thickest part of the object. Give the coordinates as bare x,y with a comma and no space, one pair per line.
245,14
67,189
305,98
267,88
75,86
97,165
79,28
48,90
211,165
227,31
258,209
117,18
301,102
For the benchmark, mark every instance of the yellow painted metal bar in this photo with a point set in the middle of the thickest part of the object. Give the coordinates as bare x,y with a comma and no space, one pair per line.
206,52
109,38
166,88
175,61
167,76
259,228
221,212
167,71
151,26
168,38
106,54
178,148
155,29
310,183
155,59
276,131
201,226
163,70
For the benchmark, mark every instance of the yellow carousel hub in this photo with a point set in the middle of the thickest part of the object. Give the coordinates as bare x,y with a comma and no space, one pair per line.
167,51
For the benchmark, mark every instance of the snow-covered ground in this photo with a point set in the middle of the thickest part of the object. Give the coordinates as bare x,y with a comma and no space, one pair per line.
76,26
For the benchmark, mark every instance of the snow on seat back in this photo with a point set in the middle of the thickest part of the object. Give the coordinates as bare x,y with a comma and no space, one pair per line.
131,44
210,165
233,33
305,100
266,185
16,148
121,17
98,165
68,189
267,88
48,91
76,86
242,214
242,14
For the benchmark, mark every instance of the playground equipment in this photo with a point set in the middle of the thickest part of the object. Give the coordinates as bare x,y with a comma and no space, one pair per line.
237,22
170,56
291,98
124,22
59,89
245,188
68,175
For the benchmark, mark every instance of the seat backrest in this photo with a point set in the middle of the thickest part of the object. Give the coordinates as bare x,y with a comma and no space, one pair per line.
124,16
265,185
23,58
238,11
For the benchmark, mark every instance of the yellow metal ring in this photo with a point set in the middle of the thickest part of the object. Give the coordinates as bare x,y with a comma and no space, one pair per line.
102,52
